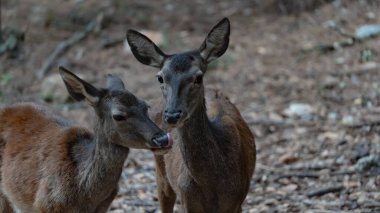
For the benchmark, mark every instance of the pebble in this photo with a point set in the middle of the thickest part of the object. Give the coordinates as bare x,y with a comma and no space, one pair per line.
288,158
302,110
367,31
347,120
366,163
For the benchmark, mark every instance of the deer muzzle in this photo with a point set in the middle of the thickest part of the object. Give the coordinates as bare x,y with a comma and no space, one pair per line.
163,141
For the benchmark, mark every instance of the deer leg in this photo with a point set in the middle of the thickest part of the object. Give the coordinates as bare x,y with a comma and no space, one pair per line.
103,206
196,200
5,206
166,195
190,206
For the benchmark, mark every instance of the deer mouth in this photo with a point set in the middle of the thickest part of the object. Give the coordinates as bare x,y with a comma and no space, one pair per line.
164,148
162,142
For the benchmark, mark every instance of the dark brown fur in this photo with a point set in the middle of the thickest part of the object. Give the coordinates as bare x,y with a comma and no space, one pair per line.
211,191
213,158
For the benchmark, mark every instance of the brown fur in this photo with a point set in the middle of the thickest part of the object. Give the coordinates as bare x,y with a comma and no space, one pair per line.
49,165
33,170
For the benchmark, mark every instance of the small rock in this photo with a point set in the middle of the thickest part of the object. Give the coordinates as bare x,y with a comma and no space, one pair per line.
290,188
332,116
301,110
301,130
340,160
288,158
367,163
340,60
371,15
330,82
376,195
360,150
355,80
275,117
347,120
367,31
262,50
325,153
334,136
351,184
358,101
270,202
329,24
362,198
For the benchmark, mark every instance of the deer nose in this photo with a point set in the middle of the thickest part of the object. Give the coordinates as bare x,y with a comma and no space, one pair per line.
172,117
163,140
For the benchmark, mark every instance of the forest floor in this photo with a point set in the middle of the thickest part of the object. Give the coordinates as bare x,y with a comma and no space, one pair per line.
315,109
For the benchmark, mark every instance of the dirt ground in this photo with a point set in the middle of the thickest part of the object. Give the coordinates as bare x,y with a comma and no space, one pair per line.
315,111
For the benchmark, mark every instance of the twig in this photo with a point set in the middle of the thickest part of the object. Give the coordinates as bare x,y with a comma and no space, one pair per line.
343,33
365,124
298,175
349,41
320,192
307,167
140,203
267,122
324,48
108,43
64,45
325,203
370,67
372,204
268,168
344,172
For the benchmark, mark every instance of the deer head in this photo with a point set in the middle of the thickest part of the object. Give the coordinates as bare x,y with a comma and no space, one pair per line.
181,74
121,115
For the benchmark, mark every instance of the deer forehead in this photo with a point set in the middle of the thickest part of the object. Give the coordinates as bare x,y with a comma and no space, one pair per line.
122,99
182,63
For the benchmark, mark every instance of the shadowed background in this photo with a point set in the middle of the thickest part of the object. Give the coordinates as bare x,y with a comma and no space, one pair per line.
300,72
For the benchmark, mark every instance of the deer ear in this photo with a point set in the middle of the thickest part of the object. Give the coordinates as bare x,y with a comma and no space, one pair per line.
216,42
78,88
114,82
144,49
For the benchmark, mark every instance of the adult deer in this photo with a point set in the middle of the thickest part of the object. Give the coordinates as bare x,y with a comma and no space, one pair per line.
49,165
211,165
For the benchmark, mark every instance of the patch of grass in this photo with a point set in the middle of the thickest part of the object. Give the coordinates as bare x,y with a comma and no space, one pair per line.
2,95
367,55
5,78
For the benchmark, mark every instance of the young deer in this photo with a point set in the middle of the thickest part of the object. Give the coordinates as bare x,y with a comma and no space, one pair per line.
49,165
211,165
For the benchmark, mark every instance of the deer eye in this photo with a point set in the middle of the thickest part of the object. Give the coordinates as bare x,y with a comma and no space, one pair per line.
160,79
119,117
198,79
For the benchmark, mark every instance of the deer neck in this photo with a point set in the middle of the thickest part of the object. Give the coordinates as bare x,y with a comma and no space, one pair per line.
197,143
102,161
